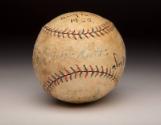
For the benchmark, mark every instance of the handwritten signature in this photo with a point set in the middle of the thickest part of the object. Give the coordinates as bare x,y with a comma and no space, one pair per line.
118,62
82,54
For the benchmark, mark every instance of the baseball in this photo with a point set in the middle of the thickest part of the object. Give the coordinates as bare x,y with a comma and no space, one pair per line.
79,57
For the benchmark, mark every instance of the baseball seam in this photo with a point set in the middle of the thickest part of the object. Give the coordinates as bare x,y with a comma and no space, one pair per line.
98,31
77,72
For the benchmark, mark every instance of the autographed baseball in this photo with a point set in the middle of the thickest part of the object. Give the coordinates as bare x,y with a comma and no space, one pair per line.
79,57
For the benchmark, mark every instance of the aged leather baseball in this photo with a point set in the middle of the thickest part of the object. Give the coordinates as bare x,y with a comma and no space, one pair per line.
79,57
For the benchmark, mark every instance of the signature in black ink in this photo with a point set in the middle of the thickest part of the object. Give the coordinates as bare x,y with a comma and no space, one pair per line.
118,62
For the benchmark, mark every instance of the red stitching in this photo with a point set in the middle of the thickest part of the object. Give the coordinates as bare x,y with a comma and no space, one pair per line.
93,32
66,75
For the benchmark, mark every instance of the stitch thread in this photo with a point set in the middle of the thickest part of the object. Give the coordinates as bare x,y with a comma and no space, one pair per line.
77,72
98,31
